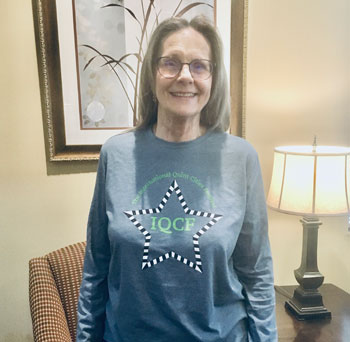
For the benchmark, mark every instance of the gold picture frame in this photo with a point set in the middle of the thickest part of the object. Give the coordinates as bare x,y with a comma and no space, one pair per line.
238,66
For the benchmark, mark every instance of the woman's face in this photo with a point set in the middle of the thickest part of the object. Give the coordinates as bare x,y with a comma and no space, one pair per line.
182,96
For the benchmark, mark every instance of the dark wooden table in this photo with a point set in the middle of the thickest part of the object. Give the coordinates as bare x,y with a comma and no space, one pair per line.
337,329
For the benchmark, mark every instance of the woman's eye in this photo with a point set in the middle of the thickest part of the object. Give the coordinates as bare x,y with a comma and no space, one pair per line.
198,66
171,63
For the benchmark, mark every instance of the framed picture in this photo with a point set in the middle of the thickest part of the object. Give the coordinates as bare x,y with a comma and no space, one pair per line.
89,59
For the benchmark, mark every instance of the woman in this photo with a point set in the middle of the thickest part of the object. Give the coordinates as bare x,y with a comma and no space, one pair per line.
177,244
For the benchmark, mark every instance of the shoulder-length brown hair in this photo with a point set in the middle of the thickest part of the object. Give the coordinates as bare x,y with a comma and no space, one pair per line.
215,115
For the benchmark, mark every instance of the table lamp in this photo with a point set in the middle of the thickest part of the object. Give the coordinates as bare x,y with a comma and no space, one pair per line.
310,181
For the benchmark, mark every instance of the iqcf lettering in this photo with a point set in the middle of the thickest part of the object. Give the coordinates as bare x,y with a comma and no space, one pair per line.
166,225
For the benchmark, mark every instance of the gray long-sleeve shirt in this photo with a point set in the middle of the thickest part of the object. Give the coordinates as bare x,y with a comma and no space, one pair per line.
177,244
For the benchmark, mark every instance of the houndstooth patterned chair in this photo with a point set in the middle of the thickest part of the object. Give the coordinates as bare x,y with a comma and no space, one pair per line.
54,282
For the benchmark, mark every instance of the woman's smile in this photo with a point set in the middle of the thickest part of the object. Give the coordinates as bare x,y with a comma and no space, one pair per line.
181,94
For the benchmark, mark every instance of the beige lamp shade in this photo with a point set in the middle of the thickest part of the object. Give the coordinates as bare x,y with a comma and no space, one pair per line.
310,180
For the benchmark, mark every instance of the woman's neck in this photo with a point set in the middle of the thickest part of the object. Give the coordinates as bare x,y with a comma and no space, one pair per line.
178,130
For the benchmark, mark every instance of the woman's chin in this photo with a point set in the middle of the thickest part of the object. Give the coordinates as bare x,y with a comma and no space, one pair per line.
184,114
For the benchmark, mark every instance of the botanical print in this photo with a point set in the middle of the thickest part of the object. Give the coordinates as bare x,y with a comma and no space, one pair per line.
103,29
111,38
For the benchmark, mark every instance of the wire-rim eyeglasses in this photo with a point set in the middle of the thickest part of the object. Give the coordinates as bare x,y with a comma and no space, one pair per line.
170,67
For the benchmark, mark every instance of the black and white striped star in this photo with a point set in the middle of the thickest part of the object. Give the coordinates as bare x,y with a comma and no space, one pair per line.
197,264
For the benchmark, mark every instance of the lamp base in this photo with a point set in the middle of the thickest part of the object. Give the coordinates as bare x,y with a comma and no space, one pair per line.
307,305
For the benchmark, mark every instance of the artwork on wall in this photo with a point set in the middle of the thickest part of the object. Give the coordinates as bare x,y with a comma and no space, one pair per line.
89,58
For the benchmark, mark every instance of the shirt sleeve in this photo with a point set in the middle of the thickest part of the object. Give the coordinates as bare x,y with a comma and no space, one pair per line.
94,291
253,261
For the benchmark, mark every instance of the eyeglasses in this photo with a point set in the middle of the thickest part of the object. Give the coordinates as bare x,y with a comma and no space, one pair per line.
170,67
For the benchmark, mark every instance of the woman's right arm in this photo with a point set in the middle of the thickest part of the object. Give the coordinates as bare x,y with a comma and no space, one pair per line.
94,289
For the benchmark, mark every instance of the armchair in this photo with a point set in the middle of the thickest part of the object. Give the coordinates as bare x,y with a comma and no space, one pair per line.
54,282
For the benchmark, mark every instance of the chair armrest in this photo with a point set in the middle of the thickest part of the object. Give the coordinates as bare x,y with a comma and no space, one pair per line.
48,317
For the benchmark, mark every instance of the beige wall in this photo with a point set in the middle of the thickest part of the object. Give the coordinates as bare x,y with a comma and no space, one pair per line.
298,86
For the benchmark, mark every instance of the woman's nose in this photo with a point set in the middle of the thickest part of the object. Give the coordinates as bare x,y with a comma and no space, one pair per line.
185,72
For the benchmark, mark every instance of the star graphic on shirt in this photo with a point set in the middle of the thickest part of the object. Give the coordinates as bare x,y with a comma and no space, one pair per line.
197,264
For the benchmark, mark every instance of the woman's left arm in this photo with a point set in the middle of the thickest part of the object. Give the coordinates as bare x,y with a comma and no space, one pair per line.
253,261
